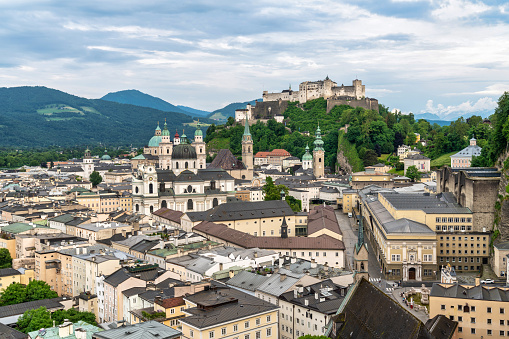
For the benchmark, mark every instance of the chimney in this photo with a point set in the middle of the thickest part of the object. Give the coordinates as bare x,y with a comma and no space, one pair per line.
66,329
293,260
313,263
80,333
231,274
300,288
322,300
295,293
306,302
220,266
255,254
124,233
282,276
316,296
287,266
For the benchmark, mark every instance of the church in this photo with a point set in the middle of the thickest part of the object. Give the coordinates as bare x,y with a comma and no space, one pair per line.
174,174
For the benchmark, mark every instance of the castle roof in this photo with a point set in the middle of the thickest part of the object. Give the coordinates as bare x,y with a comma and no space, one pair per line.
227,161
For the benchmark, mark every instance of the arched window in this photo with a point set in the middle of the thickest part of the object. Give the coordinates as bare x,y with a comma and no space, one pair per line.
186,165
189,189
163,204
362,266
215,202
249,149
136,189
168,150
151,209
137,208
194,164
177,165
190,204
150,188
319,159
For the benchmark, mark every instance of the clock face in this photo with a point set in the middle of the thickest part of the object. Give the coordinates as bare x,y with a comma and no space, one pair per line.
150,178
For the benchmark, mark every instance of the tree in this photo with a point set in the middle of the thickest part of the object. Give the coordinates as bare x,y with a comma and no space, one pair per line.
370,158
295,204
38,290
95,178
74,316
413,173
5,258
13,294
34,319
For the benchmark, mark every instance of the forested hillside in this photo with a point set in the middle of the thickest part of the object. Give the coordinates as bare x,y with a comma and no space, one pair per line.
369,134
39,116
137,98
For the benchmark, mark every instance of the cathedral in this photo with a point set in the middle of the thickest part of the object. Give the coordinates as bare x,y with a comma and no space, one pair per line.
174,174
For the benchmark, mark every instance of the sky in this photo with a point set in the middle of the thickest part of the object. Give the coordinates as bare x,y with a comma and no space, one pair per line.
443,57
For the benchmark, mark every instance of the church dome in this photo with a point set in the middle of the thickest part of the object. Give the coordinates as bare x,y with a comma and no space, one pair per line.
184,151
154,141
105,156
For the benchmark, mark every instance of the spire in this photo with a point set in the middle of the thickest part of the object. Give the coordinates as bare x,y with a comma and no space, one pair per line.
284,228
246,127
360,240
318,140
158,128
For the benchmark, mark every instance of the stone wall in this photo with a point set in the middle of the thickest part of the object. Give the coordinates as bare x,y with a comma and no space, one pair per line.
343,166
268,109
366,103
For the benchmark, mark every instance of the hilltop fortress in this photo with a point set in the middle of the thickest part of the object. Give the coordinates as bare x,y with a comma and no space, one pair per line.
274,104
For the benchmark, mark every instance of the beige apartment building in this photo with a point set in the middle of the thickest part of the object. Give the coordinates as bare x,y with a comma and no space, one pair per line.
105,201
370,177
481,311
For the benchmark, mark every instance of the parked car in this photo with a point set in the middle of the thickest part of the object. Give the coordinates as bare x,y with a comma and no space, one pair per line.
487,281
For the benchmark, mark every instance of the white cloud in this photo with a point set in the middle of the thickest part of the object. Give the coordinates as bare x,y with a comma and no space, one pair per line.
457,9
495,89
480,106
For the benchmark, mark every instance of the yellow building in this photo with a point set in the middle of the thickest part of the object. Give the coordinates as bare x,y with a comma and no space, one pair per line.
481,311
105,201
173,309
9,242
360,180
223,312
349,201
10,276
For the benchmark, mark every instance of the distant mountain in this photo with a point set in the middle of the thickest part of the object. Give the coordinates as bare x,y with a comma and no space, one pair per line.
41,116
193,111
427,116
227,111
439,122
135,97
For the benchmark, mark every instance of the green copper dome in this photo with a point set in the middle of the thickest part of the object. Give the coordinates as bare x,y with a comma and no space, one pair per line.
165,131
318,141
105,156
198,132
307,156
154,141
158,128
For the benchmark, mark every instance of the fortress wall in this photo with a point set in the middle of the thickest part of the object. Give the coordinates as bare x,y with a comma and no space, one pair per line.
366,103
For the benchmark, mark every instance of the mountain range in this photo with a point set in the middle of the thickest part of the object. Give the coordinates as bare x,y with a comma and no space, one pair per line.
41,116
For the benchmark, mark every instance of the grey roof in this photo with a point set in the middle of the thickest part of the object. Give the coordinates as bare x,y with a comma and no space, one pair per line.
223,304
417,157
468,151
276,286
442,203
7,332
117,277
479,292
134,291
247,280
324,297
16,309
145,330
5,272
406,226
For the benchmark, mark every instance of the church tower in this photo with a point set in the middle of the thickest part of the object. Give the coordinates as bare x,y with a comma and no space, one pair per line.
165,148
318,155
307,160
361,256
247,147
88,165
199,145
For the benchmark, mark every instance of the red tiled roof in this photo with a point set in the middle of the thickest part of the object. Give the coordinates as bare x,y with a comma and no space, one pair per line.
275,153
221,231
169,214
170,302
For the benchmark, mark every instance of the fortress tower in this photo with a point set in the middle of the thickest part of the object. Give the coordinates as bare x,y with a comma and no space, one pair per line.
318,155
247,147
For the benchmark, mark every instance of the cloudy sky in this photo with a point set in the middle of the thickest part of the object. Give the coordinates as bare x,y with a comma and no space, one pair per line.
442,57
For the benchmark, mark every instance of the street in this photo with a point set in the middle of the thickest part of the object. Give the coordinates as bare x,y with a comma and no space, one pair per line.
349,237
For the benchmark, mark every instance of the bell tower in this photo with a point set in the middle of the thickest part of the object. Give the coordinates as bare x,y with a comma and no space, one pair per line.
199,145
247,147
318,155
88,164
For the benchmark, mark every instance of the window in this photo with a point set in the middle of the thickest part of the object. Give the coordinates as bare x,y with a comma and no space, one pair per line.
460,329
472,330
502,333
258,321
472,308
442,307
246,324
502,322
211,334
191,333
246,336
223,331
268,318
460,318
501,310
235,328
269,332
489,321
472,320
258,335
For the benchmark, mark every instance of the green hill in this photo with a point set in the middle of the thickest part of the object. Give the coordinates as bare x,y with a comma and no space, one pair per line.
135,97
222,114
40,116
